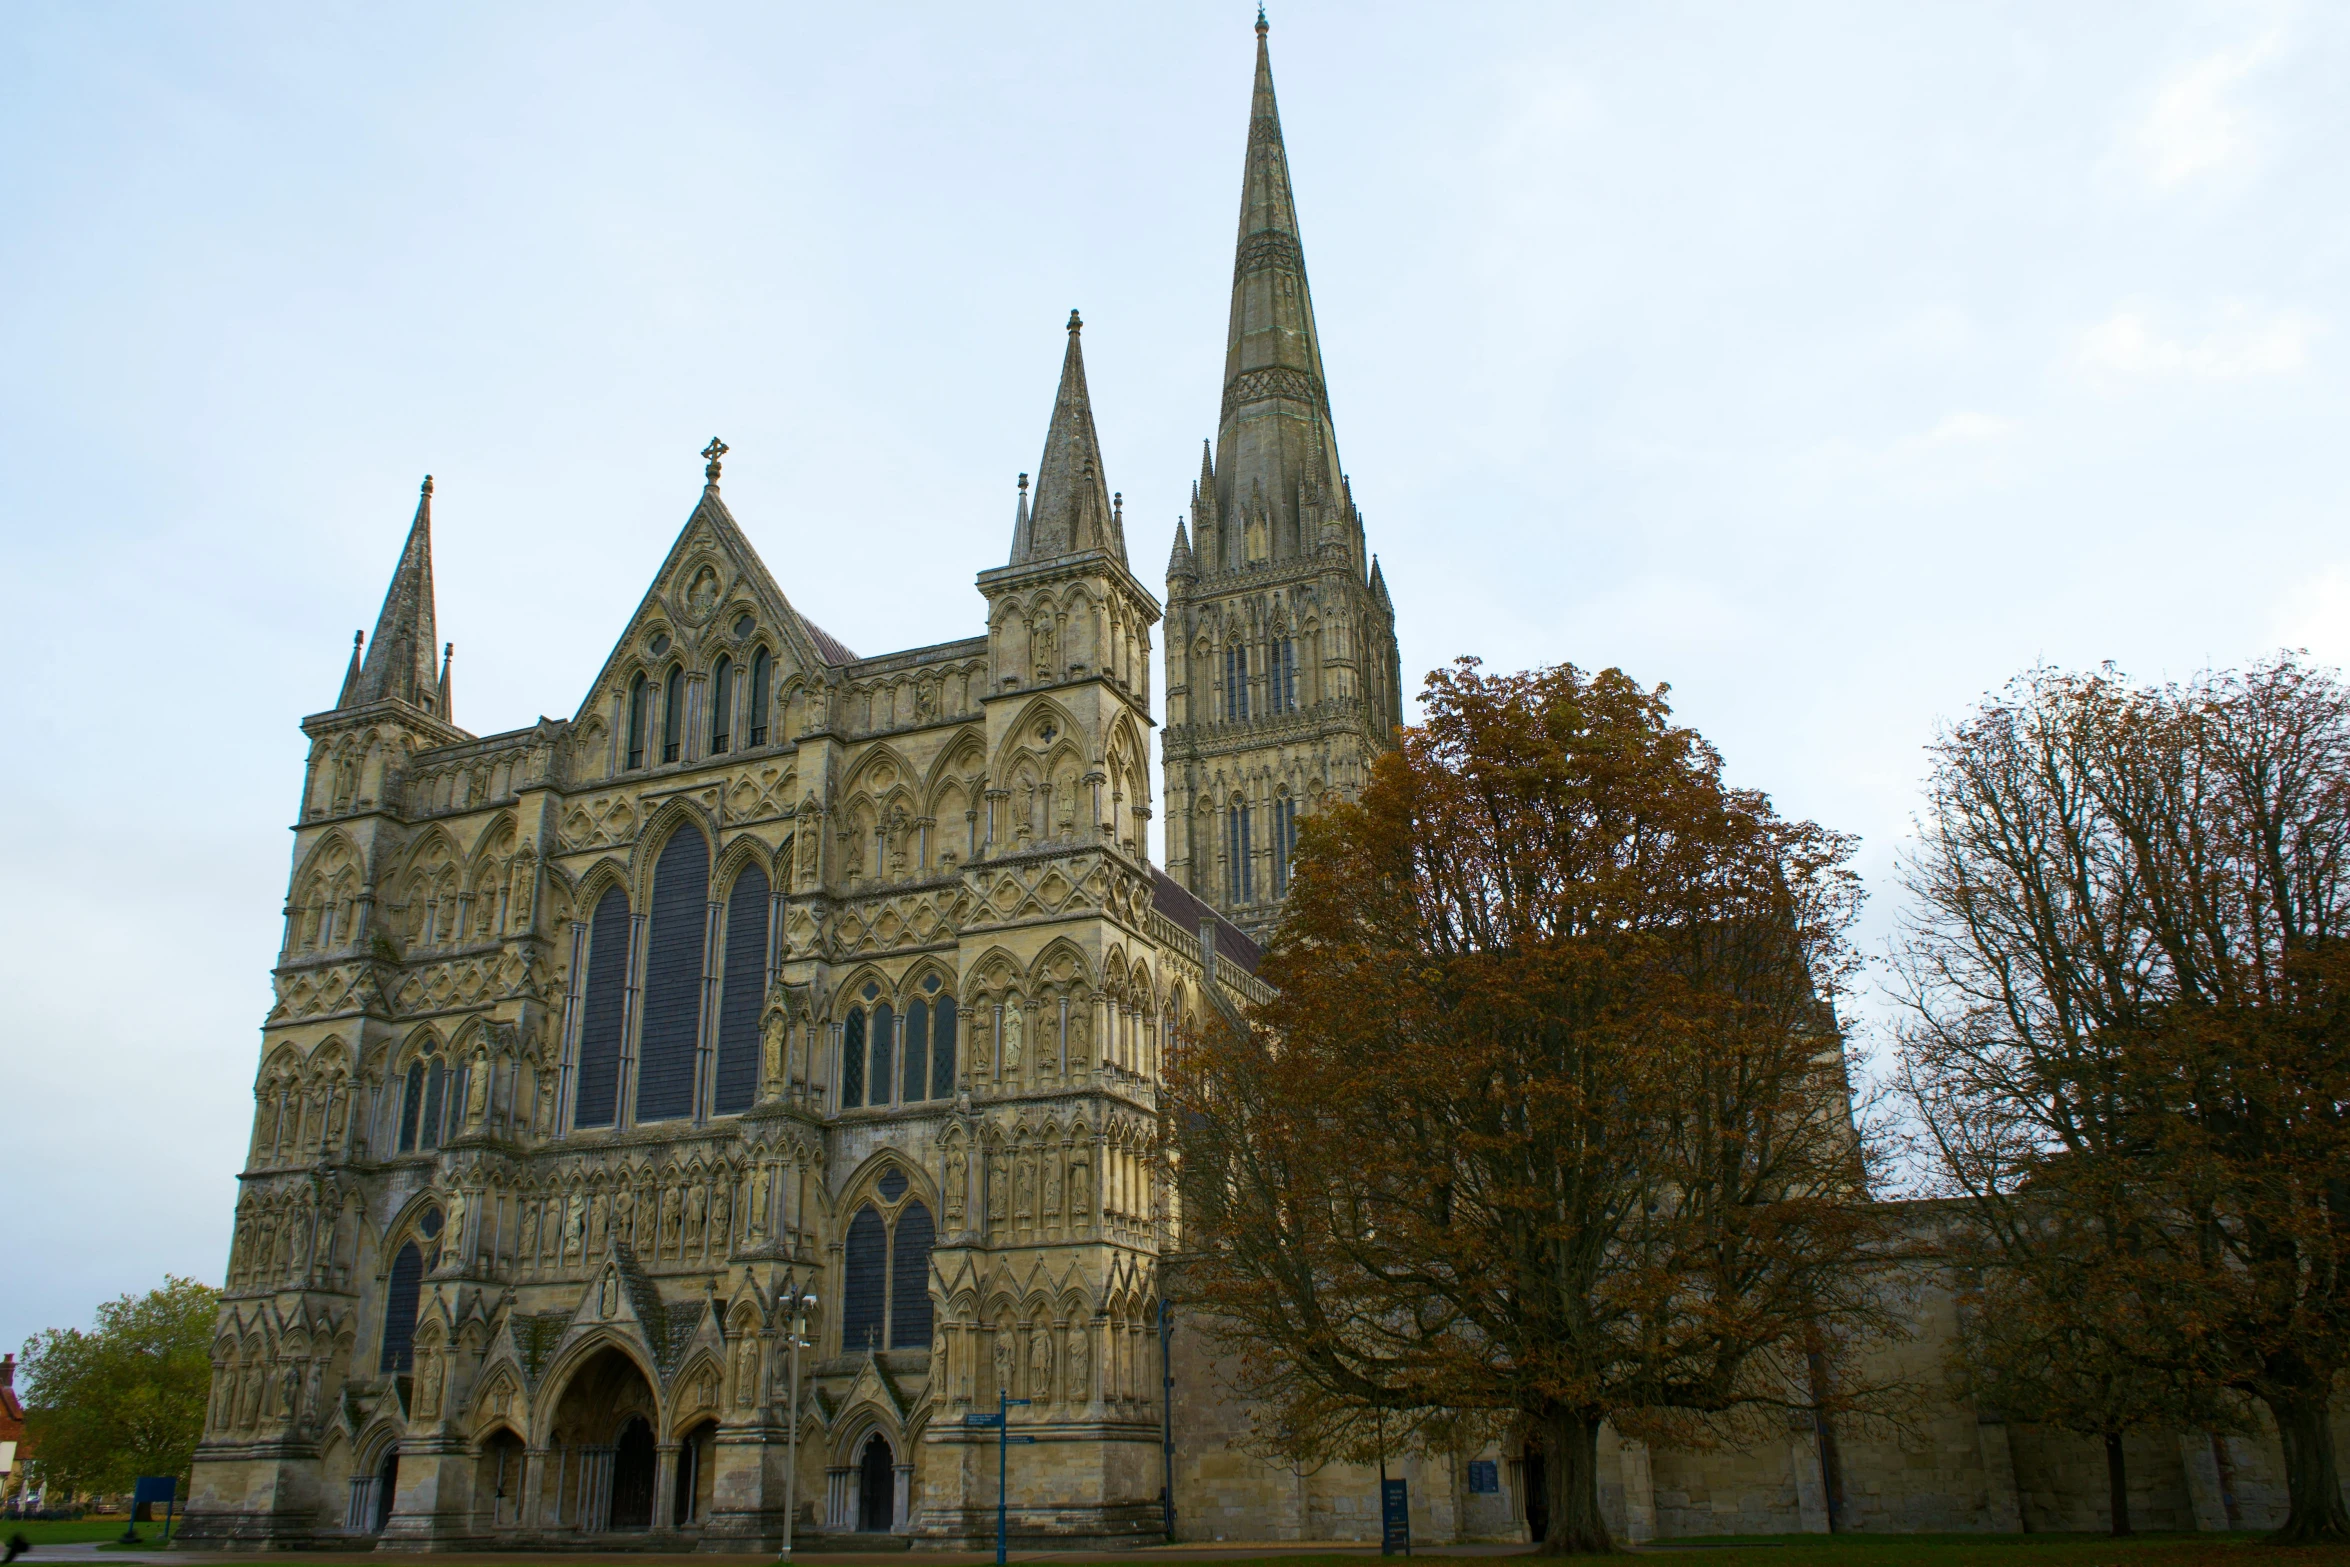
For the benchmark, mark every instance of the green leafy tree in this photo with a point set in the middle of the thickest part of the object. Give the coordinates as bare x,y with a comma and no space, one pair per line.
126,1398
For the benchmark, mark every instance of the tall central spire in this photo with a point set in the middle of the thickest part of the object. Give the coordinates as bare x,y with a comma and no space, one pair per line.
1276,452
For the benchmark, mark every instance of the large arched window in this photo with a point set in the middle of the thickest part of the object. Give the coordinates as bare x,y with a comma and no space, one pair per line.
637,693
673,978
762,671
909,1278
891,1058
672,713
864,1304
745,990
603,1005
885,1270
401,1294
721,705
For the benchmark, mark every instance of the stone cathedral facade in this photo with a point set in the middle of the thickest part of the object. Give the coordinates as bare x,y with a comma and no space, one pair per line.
776,973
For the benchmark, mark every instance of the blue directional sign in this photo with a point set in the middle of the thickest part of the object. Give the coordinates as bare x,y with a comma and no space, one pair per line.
1395,1518
983,1420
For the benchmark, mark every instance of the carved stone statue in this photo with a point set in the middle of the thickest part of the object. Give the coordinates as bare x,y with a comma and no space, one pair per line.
1015,1038
958,1173
758,1205
624,1216
1003,1357
1052,1184
477,1090
545,1120
746,1373
599,1215
722,1218
1040,1366
995,1190
453,1236
1024,1185
428,1384
528,1244
1080,1193
771,1053
574,1227
696,1207
672,1221
1080,1366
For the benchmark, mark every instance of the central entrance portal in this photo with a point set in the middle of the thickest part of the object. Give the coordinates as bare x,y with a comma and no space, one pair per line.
603,1440
877,1487
632,1477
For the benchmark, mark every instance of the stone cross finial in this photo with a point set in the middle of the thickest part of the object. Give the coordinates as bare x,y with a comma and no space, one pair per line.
715,450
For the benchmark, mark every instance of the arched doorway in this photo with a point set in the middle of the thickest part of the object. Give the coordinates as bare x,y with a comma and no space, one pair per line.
877,1487
497,1480
632,1476
601,1463
387,1481
691,1503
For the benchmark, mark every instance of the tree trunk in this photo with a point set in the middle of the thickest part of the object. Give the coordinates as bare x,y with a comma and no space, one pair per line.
2117,1483
2312,1480
1570,1442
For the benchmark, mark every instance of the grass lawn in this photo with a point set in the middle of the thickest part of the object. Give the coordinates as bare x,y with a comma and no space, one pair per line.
70,1531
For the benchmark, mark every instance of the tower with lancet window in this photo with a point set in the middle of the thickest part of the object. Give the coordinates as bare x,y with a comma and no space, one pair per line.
1281,657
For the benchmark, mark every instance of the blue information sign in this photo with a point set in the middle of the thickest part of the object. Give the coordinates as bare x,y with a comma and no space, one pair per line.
1484,1477
1395,1518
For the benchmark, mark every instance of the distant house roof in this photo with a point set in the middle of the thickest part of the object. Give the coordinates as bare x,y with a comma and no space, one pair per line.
1176,901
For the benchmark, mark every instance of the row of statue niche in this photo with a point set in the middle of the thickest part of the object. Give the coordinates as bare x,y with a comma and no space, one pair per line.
276,1246
1074,1383
1018,1053
245,1396
1013,1183
683,1221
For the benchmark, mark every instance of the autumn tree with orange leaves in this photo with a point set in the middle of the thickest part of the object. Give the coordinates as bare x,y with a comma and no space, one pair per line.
1547,1120
2128,975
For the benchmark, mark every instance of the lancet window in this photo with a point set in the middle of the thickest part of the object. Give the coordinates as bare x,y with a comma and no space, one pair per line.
1235,683
1284,841
744,989
603,1007
403,1292
672,714
893,1058
673,977
430,1098
638,694
885,1271
721,705
1239,853
762,673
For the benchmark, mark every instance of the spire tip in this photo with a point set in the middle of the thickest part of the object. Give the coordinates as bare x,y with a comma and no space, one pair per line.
1261,23
1076,324
425,489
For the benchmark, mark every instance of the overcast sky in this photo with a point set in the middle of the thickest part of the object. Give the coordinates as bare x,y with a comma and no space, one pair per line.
1832,363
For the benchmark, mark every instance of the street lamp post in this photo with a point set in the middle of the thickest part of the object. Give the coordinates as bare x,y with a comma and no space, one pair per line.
795,1342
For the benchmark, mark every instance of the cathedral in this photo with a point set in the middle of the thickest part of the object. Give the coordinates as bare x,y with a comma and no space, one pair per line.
683,1124
679,1117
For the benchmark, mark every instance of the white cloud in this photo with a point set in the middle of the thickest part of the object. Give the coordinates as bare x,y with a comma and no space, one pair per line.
2127,343
2193,127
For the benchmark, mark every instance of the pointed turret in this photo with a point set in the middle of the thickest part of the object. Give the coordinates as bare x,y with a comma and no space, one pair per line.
1274,438
399,660
351,672
1072,510
448,652
1379,585
1020,523
1180,565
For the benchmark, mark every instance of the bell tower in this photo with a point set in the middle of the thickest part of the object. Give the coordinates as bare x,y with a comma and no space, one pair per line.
1281,658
